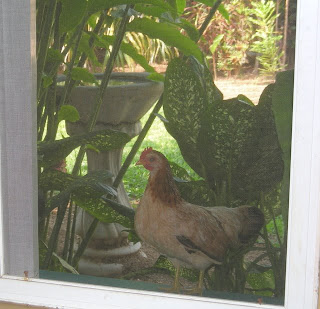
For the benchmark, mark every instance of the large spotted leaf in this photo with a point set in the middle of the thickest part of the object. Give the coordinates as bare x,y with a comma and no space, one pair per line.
105,211
51,153
228,136
266,167
88,192
92,185
188,89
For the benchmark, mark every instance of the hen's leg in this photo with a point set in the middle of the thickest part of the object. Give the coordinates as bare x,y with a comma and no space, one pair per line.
198,289
176,284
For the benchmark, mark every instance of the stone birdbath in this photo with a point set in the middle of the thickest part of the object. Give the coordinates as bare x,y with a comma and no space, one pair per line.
123,106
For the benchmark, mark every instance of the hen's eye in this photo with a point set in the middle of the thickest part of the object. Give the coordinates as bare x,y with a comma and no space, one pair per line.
151,159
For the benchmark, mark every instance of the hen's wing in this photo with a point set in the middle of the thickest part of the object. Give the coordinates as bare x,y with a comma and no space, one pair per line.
211,231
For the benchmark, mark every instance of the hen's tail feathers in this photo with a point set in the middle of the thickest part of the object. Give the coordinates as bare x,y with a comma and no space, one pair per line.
252,224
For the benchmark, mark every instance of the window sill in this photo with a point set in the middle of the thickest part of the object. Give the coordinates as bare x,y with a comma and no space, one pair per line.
151,287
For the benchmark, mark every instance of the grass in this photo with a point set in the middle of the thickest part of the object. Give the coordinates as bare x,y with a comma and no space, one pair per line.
159,139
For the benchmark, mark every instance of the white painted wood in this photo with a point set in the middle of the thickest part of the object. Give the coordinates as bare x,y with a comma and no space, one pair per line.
68,295
304,224
18,138
303,249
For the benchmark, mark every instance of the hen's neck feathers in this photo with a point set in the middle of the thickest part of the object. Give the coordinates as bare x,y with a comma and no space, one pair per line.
161,185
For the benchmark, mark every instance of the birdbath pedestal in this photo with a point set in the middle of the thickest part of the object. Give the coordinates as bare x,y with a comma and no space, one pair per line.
123,106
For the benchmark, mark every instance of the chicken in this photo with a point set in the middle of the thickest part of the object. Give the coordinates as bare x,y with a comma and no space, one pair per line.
189,235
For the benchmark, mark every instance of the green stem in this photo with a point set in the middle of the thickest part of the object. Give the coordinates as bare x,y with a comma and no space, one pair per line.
67,88
67,235
275,224
208,18
41,13
42,115
44,42
84,242
73,233
137,143
54,235
84,56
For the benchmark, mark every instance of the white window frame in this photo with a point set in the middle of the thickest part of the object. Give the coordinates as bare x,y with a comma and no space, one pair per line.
18,180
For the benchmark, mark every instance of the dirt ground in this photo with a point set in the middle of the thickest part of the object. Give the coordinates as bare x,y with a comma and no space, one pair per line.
250,86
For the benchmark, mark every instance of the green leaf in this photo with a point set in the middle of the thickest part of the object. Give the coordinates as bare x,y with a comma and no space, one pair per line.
262,172
84,75
129,50
72,13
196,192
52,179
89,51
207,2
224,12
46,81
227,137
65,264
180,4
164,263
68,113
101,210
91,186
180,172
54,55
168,34
243,99
260,281
282,106
98,5
216,43
56,263
53,152
156,77
150,10
191,30
188,89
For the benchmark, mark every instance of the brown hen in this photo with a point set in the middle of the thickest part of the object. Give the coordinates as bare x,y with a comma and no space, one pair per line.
189,235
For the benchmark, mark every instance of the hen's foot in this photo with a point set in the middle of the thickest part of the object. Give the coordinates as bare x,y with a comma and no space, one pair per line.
199,288
176,284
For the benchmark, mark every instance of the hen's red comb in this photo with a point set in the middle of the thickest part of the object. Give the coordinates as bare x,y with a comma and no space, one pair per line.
145,152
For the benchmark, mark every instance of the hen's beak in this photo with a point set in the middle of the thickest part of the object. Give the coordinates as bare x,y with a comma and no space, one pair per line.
139,162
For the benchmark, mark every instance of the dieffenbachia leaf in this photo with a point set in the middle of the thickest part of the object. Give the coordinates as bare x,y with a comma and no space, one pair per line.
262,171
188,89
227,135
53,152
